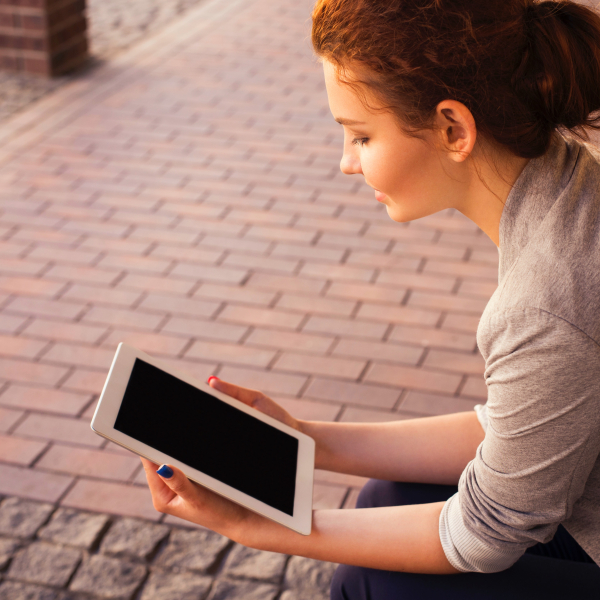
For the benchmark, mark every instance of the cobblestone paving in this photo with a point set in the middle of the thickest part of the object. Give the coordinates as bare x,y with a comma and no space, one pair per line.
65,554
112,26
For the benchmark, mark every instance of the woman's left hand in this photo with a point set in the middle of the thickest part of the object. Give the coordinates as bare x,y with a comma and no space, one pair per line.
180,497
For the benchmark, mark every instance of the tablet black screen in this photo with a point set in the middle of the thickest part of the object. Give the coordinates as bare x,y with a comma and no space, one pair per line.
207,434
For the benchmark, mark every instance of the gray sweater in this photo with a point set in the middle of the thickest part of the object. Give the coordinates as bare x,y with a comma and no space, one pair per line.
539,464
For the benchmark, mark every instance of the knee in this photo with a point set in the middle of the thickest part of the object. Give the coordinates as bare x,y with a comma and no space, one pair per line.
370,493
377,493
347,584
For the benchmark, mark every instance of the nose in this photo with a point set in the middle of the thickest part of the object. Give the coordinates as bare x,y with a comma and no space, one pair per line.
350,164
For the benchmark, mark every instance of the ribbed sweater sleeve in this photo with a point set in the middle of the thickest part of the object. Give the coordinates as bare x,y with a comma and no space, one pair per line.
542,440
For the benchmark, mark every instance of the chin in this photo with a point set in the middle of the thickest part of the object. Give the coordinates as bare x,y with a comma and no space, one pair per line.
401,216
411,211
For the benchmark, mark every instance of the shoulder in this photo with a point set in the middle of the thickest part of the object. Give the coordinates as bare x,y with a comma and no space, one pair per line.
558,269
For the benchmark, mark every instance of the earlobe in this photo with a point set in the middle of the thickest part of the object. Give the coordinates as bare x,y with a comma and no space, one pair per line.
458,129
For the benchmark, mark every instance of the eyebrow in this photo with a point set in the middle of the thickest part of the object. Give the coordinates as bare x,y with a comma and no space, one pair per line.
349,122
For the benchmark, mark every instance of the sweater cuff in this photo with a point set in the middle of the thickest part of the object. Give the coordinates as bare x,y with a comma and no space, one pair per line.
482,415
467,553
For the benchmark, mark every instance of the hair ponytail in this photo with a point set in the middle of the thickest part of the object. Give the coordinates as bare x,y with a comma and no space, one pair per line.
558,77
522,67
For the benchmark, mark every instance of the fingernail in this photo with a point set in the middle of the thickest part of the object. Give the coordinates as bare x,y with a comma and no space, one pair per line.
165,472
211,378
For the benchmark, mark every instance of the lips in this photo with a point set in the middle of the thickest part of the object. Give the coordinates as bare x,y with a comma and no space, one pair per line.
379,196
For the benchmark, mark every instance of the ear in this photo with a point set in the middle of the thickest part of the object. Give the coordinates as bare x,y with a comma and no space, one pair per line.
457,129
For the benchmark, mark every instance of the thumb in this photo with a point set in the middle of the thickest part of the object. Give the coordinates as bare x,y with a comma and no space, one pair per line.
176,481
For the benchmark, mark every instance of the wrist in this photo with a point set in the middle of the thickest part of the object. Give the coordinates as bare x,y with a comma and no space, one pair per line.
250,530
303,426
311,429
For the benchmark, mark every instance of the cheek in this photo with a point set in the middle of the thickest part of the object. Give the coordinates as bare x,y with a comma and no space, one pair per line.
395,169
409,175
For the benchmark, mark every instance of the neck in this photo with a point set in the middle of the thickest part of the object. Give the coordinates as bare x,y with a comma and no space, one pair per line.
489,181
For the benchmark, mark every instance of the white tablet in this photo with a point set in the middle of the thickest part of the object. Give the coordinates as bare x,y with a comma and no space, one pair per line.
169,417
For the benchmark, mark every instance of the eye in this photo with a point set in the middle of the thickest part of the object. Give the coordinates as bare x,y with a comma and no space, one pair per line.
360,141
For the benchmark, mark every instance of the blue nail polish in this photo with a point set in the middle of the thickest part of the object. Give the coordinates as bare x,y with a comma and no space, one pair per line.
165,472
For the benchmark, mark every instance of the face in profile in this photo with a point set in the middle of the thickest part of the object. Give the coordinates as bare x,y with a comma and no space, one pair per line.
411,176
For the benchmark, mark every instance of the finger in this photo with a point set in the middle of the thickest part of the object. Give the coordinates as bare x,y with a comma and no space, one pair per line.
148,464
198,504
254,399
245,395
161,493
178,483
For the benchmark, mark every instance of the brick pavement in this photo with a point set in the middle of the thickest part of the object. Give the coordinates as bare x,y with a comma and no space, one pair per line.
186,198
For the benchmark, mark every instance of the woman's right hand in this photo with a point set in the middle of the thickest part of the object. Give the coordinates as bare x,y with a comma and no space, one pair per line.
256,400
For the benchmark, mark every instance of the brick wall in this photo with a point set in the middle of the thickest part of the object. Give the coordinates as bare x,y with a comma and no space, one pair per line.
42,37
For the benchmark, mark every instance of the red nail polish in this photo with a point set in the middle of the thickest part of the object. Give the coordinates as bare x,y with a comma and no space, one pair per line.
212,377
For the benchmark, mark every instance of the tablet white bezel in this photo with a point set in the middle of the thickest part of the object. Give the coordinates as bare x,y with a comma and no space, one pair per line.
108,408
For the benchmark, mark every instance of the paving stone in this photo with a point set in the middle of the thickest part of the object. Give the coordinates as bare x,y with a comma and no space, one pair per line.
13,590
22,518
255,564
227,589
163,585
7,549
194,550
108,578
74,528
45,564
133,537
309,575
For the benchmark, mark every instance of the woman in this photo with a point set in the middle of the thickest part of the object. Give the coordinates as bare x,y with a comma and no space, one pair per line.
456,103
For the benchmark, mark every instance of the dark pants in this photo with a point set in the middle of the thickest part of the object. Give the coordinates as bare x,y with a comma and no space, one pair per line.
558,570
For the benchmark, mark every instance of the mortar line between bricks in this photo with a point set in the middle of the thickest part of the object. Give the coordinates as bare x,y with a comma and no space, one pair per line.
399,401
334,344
340,414
364,371
246,335
406,297
66,491
65,377
19,421
461,385
422,358
387,333
40,455
87,406
304,386
186,347
440,321
303,322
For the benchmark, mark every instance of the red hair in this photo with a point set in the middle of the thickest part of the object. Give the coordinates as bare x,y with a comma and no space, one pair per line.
522,67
